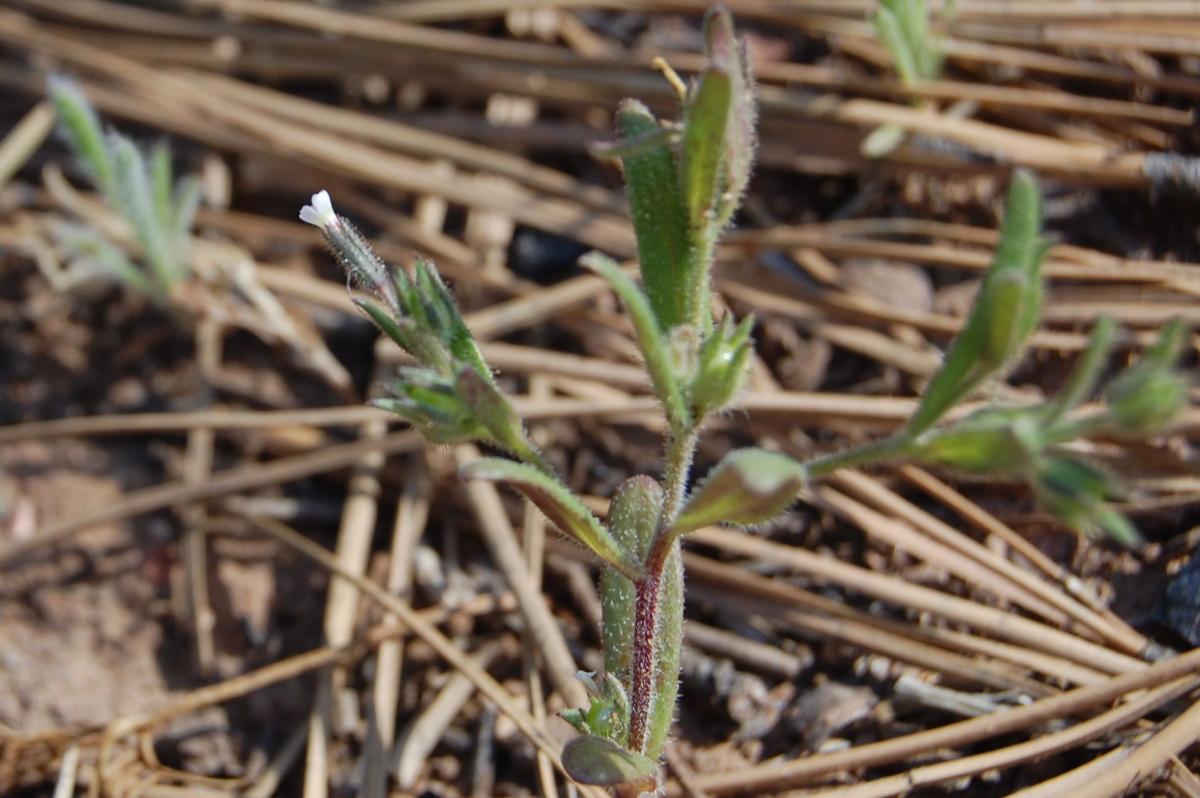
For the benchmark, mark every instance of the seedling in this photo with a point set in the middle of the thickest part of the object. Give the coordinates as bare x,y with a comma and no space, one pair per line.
140,188
158,212
903,27
685,180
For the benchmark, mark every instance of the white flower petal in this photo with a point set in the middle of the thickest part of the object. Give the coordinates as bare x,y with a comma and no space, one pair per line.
320,213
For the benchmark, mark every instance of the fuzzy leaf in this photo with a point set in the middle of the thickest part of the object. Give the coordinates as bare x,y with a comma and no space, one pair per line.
558,504
1149,396
1005,311
650,336
1086,373
633,520
704,145
748,486
81,128
137,205
669,635
601,762
659,215
727,54
890,31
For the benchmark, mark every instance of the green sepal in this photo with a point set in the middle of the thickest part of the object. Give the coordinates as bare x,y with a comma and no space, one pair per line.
748,486
1076,491
495,413
656,203
432,404
724,363
445,321
1149,396
650,336
563,508
600,762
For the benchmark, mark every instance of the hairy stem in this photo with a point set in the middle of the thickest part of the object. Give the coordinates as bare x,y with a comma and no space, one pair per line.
879,451
680,452
644,666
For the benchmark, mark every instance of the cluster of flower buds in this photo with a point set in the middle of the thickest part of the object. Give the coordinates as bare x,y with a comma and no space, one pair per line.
451,395
1027,442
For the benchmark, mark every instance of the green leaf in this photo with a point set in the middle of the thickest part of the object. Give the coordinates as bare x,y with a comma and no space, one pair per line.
704,145
603,763
1086,373
185,203
559,505
891,32
633,521
748,486
1004,314
882,141
650,337
137,205
669,639
81,128
727,54
659,215
160,182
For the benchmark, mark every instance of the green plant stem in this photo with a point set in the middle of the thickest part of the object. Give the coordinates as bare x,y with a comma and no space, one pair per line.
884,450
680,452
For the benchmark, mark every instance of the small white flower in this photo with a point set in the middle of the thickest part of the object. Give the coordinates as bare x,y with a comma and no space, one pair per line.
320,213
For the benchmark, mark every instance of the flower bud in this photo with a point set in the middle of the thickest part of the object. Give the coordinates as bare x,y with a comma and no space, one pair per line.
1076,491
723,365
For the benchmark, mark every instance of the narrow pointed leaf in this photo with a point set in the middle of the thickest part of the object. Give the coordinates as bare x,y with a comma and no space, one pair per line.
1086,373
160,182
137,205
704,145
603,763
81,128
890,31
558,504
669,637
659,215
727,54
1005,311
650,337
749,486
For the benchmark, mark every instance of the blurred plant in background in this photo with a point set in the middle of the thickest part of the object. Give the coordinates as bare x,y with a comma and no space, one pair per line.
142,238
